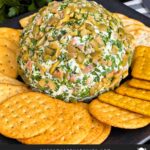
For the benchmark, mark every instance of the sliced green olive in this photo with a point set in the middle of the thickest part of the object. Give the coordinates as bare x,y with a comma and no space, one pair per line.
96,56
52,69
74,32
47,57
50,51
67,10
72,51
41,41
80,57
84,32
51,85
102,27
36,29
54,45
42,83
95,45
25,56
89,26
57,54
78,16
112,24
100,41
115,49
53,21
121,32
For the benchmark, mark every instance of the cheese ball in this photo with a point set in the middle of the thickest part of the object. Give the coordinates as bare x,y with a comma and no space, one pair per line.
74,50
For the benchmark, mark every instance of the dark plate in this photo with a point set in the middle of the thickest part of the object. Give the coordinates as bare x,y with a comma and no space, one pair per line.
118,136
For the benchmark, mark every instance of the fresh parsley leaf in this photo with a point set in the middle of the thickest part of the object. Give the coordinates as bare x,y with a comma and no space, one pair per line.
12,2
13,11
2,14
32,6
1,3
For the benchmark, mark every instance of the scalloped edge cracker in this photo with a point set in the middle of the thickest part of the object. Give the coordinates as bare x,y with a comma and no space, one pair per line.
26,115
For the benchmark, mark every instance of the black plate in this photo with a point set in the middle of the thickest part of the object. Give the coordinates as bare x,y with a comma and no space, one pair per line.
118,136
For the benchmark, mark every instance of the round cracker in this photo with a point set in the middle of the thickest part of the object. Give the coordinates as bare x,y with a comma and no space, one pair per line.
7,80
7,91
26,115
121,16
133,27
117,117
94,133
10,33
8,62
72,125
142,37
102,137
99,131
128,21
9,44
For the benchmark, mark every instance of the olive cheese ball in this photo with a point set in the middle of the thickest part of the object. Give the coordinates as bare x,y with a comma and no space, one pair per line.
74,50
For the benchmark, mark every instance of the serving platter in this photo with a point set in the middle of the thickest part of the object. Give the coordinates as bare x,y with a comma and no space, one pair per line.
118,136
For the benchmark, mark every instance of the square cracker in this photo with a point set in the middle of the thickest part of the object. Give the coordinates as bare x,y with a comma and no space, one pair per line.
129,103
141,84
141,68
127,90
141,51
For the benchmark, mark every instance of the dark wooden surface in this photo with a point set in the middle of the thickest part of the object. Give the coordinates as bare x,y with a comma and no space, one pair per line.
117,136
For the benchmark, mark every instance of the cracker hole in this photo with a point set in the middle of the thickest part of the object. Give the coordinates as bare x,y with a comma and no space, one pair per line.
63,138
71,132
28,116
25,127
3,70
53,129
12,111
12,127
33,107
2,116
21,121
61,119
7,106
15,116
7,121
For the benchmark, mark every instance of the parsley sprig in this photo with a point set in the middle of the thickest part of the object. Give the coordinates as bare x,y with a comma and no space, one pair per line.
11,8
